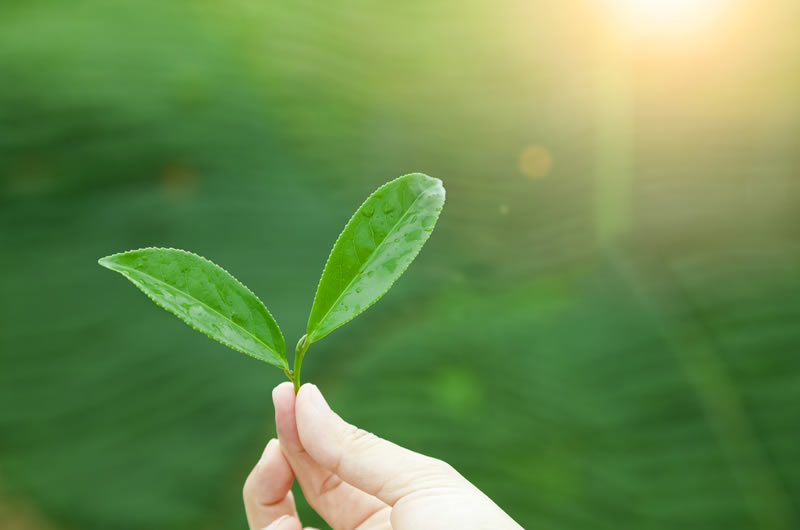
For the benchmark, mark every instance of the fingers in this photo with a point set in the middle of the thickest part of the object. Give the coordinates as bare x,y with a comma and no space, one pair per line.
267,494
371,464
286,522
338,502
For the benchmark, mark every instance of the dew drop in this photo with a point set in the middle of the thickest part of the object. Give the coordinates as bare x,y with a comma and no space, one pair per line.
390,265
368,210
359,289
414,219
388,207
413,235
370,274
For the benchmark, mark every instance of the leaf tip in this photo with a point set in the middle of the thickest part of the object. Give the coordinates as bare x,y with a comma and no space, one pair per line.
435,180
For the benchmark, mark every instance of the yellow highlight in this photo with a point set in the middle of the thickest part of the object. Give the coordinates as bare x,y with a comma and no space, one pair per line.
535,161
668,16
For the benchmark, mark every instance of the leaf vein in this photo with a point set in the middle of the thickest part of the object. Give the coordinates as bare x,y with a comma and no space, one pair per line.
361,268
199,302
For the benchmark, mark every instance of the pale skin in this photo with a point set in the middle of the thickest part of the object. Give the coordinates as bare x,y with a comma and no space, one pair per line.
355,480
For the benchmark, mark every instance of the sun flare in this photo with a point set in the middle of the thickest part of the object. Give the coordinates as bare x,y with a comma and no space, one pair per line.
668,16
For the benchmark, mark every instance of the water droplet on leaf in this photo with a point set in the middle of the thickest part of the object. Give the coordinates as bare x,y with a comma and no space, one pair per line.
413,235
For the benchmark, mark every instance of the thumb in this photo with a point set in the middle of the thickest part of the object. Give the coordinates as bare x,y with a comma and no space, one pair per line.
371,464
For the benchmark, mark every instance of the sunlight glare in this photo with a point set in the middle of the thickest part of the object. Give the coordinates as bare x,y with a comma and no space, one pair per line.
668,16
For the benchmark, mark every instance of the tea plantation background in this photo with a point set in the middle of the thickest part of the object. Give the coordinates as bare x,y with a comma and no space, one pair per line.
602,333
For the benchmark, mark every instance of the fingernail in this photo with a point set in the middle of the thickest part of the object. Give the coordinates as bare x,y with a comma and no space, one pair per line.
317,400
274,391
277,522
267,450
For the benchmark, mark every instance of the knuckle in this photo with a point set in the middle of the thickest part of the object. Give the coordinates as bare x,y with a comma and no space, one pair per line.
439,467
329,484
361,439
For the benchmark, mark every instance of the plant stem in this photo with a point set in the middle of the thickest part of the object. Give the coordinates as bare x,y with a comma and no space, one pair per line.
299,352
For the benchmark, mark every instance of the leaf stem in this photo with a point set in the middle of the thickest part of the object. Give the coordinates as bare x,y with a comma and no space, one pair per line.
299,352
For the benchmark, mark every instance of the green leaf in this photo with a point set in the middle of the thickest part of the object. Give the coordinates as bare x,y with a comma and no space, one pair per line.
376,246
206,297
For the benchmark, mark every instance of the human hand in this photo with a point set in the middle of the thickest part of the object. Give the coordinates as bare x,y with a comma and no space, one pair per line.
354,479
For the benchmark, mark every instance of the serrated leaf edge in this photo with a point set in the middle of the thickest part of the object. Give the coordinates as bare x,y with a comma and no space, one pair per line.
413,257
190,324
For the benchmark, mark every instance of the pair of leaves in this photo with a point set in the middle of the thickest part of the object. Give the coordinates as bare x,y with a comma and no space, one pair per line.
376,246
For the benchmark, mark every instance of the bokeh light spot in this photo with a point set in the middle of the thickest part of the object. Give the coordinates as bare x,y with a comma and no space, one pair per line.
178,180
535,161
457,390
30,176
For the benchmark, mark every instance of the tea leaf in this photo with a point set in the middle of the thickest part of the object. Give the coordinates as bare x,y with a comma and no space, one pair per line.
376,246
206,297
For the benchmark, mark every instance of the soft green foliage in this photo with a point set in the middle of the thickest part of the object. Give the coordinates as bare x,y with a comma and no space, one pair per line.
131,124
381,239
376,246
206,297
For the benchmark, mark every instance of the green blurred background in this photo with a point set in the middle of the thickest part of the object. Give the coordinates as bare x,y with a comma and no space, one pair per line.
603,332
